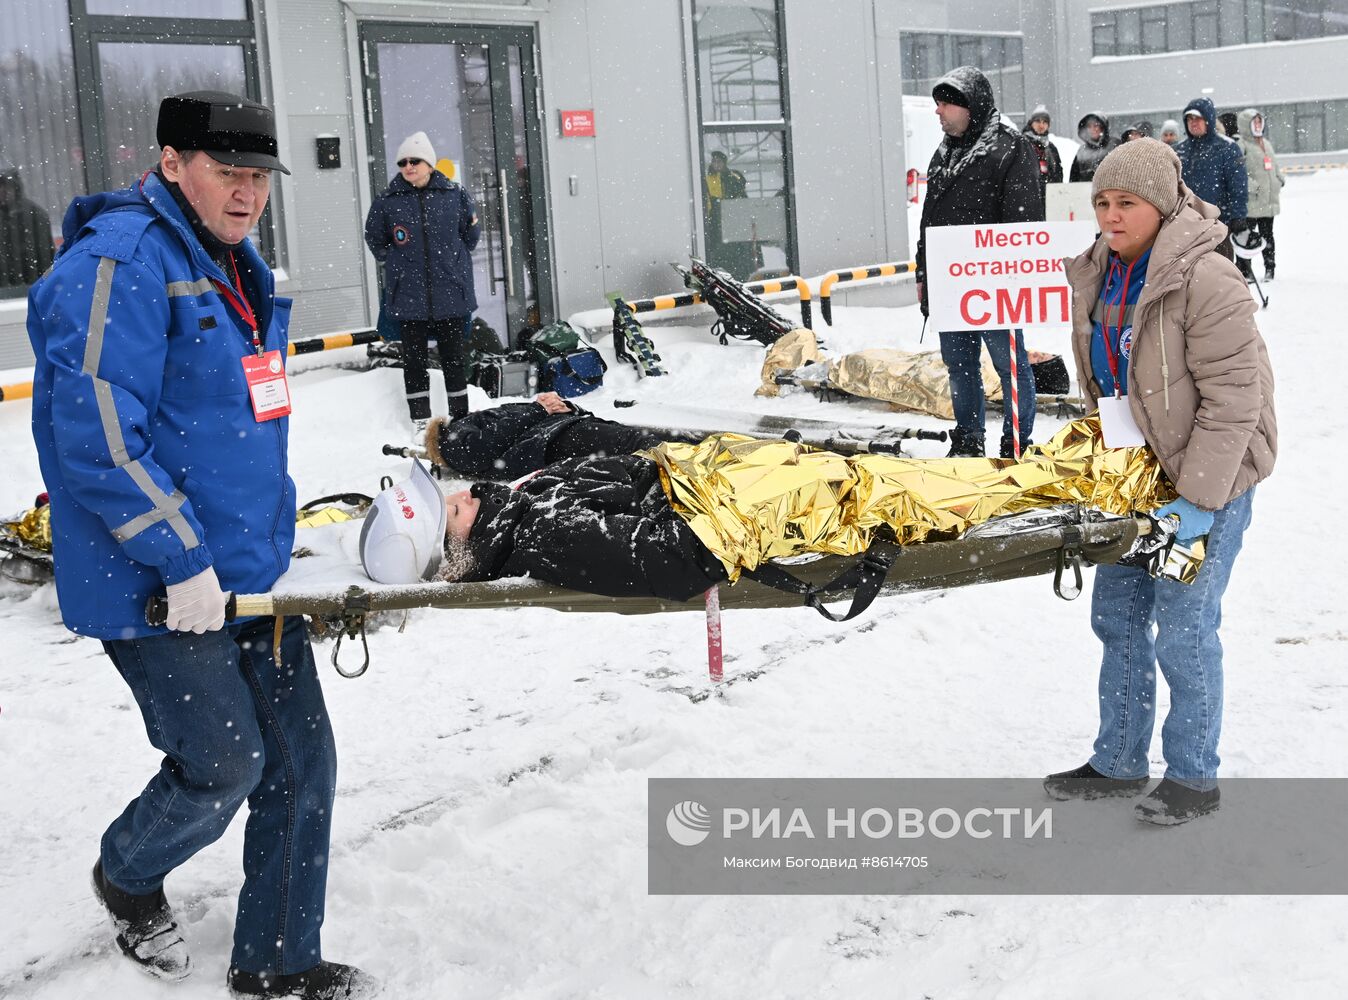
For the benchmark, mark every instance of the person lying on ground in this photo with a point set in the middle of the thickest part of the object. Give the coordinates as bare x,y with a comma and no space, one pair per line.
514,439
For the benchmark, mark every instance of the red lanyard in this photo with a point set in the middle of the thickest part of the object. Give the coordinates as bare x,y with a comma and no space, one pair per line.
240,303
1112,354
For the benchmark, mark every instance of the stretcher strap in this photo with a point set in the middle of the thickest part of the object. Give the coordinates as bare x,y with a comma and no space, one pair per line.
864,578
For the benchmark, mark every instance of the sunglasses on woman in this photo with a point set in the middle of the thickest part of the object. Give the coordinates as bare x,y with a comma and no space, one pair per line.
412,160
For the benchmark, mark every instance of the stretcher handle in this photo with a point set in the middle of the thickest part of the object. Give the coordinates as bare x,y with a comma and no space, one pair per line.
156,610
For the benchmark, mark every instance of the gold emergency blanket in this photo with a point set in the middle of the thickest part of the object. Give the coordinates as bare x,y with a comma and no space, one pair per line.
750,501
33,528
916,381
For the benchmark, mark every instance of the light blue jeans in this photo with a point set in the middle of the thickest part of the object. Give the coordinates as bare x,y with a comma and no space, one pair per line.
1125,606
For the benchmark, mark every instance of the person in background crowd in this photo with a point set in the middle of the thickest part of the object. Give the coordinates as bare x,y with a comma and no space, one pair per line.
983,172
159,414
26,248
1170,132
1214,168
423,229
723,183
1037,131
1265,183
1129,134
1230,127
1093,131
1163,323
1145,128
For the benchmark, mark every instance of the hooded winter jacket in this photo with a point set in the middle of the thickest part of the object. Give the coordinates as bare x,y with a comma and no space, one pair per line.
425,238
1091,151
25,234
1212,165
990,174
146,437
1264,194
1050,163
1200,386
598,525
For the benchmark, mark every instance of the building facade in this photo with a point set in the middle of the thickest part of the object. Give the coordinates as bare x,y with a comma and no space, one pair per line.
603,139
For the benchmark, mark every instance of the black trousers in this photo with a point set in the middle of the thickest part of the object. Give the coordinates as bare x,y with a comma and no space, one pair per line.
451,337
1265,224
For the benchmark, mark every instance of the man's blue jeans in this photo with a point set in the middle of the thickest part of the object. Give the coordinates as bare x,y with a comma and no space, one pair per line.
1125,604
961,353
234,725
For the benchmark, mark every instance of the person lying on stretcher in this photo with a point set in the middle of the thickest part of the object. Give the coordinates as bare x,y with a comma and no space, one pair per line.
679,518
602,525
514,439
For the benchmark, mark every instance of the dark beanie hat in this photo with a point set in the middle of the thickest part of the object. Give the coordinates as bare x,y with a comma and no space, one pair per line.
950,94
489,539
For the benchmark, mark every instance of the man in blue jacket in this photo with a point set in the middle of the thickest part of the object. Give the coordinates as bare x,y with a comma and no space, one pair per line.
1214,167
159,413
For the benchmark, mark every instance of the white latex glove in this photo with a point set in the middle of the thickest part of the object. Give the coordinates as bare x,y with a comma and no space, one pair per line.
197,604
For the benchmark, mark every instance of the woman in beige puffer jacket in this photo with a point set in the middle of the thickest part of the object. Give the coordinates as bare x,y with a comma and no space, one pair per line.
1166,324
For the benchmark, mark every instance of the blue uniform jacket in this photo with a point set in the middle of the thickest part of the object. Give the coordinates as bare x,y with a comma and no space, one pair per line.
1213,167
425,238
145,432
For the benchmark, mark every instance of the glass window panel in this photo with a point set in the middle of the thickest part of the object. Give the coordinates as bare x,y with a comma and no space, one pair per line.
968,50
1015,52
745,205
1232,22
41,152
209,9
1280,21
1206,35
1153,30
1129,29
136,76
1254,20
1336,18
1102,33
1179,26
739,71
1309,22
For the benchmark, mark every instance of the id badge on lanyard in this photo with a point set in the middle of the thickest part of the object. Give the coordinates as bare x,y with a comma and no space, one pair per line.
267,387
1117,424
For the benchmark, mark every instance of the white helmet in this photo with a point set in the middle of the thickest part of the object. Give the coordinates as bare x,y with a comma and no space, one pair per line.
1247,245
403,539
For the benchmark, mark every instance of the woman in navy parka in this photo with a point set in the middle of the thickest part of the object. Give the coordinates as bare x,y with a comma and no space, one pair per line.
424,229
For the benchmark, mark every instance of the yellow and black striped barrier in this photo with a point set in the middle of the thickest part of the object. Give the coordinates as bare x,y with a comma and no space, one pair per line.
1310,168
772,286
331,342
19,390
856,274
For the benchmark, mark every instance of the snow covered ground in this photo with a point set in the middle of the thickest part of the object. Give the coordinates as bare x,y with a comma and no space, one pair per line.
491,821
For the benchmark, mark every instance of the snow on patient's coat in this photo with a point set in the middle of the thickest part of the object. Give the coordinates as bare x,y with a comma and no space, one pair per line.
403,538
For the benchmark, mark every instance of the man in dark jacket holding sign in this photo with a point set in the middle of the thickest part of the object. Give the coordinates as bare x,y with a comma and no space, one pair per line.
983,172
159,414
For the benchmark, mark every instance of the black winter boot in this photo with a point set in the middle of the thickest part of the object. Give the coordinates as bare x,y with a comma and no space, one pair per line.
965,444
325,981
1009,447
1085,782
1268,273
1170,804
146,930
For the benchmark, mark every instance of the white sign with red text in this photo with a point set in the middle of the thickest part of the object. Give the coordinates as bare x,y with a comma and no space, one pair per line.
1008,275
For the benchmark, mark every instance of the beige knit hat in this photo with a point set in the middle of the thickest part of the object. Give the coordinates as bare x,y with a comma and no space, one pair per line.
1146,167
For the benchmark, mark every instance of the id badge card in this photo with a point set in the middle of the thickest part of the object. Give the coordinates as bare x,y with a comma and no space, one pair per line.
1268,163
266,378
1117,424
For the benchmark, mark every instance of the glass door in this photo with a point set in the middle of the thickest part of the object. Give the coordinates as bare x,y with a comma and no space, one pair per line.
472,90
